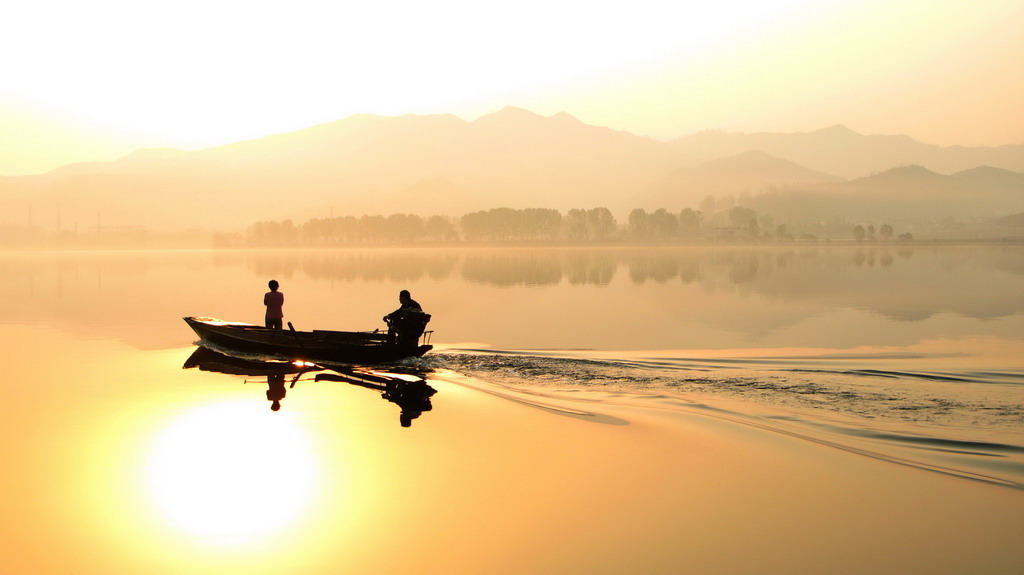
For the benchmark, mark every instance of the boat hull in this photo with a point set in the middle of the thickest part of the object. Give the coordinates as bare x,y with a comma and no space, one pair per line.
324,346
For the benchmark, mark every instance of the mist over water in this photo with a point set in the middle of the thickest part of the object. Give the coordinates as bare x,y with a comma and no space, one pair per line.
605,299
901,333
854,380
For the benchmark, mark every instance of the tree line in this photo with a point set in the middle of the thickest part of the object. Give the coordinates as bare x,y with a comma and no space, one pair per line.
596,225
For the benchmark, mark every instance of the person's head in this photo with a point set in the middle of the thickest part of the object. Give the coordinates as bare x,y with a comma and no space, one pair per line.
403,296
273,285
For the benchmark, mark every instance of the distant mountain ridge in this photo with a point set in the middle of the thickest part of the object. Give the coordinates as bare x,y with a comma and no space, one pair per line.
841,151
440,164
906,193
749,172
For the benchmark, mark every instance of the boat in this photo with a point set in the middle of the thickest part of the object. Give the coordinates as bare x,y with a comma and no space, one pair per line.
347,347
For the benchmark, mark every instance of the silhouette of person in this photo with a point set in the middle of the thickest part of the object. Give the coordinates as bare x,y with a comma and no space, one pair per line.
274,300
406,324
413,397
407,302
275,390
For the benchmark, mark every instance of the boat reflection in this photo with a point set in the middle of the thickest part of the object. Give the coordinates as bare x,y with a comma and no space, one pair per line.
206,359
407,388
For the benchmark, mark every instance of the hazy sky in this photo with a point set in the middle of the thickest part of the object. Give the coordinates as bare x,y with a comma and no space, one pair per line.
95,80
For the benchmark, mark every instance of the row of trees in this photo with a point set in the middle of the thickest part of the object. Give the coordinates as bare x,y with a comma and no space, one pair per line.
538,224
396,228
862,233
495,225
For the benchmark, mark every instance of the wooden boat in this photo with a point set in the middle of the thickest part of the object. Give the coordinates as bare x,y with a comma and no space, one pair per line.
350,347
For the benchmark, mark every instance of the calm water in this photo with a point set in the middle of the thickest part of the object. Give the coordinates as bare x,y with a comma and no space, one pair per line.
925,332
912,355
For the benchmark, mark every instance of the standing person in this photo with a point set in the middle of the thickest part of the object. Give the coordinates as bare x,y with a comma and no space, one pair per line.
274,300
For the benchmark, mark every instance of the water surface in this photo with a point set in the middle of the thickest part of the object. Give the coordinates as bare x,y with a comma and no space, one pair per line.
597,410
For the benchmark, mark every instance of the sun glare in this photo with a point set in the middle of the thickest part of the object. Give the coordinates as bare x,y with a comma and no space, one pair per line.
230,472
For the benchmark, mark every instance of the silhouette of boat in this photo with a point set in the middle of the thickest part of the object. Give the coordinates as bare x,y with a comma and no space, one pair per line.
206,359
408,390
350,347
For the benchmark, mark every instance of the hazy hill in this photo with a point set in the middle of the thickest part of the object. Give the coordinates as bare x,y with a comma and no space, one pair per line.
363,164
1011,221
440,164
841,151
909,193
747,173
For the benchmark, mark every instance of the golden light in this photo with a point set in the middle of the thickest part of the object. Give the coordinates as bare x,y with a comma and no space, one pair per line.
658,68
232,472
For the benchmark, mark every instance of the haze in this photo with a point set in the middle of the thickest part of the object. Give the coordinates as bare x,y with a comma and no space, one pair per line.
95,81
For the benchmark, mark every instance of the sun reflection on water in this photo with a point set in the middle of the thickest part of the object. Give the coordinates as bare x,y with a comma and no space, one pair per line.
231,472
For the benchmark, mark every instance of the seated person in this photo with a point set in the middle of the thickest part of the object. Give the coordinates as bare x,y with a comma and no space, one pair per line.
406,324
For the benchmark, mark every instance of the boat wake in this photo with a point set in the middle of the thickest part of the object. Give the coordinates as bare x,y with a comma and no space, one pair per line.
971,399
956,423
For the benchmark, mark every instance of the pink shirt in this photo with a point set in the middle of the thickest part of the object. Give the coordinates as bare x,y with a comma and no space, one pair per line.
274,300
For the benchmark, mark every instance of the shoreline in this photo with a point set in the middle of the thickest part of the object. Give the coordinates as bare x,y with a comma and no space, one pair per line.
210,245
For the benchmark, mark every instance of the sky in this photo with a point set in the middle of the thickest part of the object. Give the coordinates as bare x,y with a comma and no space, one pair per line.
93,81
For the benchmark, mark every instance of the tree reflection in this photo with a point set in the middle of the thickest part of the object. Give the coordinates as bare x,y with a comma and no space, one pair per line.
132,295
655,265
589,268
504,268
351,265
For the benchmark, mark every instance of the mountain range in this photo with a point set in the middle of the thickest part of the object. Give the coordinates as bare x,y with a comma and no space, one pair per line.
440,164
908,194
841,151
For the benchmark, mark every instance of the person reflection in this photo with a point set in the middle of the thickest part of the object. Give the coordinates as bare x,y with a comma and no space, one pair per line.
275,390
413,397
